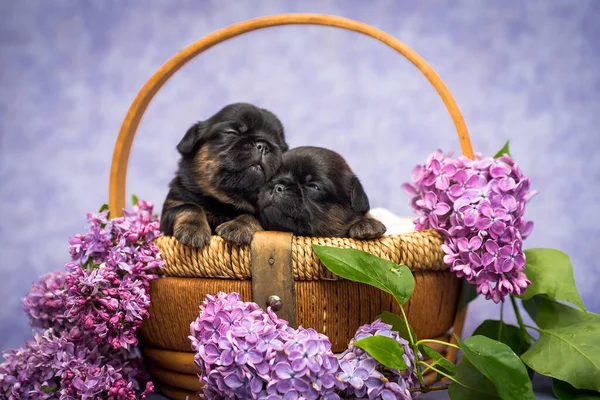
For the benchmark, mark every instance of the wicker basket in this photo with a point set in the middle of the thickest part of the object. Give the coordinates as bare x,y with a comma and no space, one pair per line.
282,264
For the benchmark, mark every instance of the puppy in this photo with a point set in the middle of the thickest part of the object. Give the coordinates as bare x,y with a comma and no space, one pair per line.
225,160
315,193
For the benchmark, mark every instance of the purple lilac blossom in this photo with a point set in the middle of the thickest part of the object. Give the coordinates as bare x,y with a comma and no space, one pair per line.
364,377
110,273
69,365
45,303
478,206
244,352
89,314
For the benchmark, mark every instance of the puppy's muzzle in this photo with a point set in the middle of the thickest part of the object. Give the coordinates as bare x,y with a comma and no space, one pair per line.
262,147
278,190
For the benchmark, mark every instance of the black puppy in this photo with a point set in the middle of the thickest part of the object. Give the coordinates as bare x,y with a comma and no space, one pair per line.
315,193
225,160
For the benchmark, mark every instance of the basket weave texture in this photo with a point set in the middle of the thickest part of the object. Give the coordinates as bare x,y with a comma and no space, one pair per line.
417,250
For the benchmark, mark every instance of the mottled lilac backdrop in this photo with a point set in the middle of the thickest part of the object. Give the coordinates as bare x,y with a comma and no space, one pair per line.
524,71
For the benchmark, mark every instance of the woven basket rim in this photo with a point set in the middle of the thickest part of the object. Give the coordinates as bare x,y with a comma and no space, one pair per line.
419,250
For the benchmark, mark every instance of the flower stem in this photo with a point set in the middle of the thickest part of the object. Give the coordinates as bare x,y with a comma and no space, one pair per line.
440,372
520,320
438,342
410,337
426,389
414,346
501,322
448,376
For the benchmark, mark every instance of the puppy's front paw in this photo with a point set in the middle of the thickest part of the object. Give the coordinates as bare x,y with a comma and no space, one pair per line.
238,231
192,235
367,228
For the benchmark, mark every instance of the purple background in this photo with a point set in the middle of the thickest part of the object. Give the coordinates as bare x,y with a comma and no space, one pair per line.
524,71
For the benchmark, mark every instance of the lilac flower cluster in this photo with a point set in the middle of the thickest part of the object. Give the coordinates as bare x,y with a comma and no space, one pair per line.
305,368
63,365
244,352
364,377
89,315
478,206
110,272
46,302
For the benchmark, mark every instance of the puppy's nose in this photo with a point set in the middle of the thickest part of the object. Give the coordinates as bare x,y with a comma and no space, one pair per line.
262,147
279,188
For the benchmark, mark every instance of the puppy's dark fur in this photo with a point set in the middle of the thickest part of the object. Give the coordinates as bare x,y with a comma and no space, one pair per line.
225,160
315,193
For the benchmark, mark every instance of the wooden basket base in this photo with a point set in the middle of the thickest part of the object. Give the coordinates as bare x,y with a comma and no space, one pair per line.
334,308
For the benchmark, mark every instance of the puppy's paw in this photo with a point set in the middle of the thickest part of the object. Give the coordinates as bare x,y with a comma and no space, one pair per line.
238,231
367,228
192,235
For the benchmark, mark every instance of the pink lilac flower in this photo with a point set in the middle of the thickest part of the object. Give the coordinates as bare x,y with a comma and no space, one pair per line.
364,377
45,303
478,206
110,272
68,364
89,315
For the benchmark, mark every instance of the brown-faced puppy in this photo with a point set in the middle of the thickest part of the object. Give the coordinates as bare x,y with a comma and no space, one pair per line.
225,160
315,193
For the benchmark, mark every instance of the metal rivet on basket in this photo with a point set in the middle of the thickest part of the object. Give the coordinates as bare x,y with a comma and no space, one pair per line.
271,261
275,303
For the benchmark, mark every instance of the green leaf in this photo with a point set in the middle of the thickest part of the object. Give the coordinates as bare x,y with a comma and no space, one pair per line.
360,266
551,273
549,314
439,361
104,207
499,364
511,335
473,385
48,389
564,391
503,150
468,293
385,350
134,200
569,353
398,324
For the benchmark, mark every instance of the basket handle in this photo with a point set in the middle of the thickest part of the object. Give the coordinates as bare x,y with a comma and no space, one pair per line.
118,171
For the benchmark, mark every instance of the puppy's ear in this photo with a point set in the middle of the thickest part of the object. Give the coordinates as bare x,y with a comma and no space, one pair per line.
284,146
358,198
192,137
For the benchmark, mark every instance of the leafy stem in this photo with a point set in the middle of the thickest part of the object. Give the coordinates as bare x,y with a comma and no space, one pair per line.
436,341
501,324
414,347
526,336
425,389
431,367
533,327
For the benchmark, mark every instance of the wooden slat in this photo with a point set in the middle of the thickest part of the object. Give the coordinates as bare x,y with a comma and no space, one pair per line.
271,255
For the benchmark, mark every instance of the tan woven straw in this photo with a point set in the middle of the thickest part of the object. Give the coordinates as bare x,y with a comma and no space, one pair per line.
417,250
